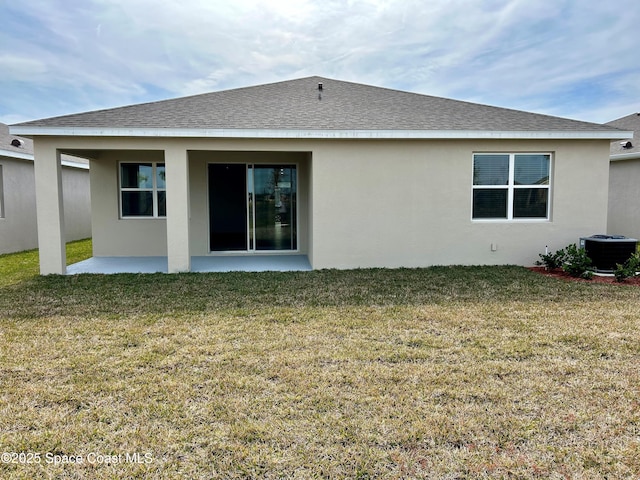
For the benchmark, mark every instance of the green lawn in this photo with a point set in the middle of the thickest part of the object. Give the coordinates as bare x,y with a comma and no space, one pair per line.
15,267
446,372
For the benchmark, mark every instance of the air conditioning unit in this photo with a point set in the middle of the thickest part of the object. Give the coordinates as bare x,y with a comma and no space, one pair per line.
605,251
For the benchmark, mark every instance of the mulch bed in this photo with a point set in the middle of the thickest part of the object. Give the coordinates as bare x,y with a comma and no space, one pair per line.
557,273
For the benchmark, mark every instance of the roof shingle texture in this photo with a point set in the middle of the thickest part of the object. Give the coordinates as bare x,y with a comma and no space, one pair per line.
296,105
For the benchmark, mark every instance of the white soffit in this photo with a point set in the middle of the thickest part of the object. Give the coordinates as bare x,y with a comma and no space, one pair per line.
316,134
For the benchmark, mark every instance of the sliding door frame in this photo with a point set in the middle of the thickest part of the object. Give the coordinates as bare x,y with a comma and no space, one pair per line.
251,210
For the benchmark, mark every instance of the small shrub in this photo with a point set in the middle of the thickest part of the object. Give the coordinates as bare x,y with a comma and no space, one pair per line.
628,269
552,260
571,259
577,262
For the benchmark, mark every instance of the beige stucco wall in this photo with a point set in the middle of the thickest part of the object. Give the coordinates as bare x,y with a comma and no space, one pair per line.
624,198
18,230
77,203
390,205
112,235
18,225
368,203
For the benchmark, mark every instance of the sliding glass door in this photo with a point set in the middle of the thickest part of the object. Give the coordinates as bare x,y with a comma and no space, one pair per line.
274,207
252,207
227,207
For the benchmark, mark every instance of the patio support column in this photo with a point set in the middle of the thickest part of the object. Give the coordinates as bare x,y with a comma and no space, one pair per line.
49,209
177,184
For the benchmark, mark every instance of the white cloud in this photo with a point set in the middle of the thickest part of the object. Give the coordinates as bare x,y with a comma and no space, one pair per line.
19,67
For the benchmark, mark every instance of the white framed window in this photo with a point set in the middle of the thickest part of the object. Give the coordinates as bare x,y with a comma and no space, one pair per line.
511,186
142,190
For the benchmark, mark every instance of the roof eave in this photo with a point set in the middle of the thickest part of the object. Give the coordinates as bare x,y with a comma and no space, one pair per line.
31,158
624,156
13,154
34,131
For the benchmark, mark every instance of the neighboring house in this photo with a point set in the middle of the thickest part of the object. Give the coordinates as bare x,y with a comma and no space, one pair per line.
624,180
344,174
18,226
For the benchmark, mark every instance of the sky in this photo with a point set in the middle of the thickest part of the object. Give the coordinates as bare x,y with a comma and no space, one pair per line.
570,58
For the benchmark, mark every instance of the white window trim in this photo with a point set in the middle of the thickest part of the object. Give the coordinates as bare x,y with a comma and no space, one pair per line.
154,190
511,187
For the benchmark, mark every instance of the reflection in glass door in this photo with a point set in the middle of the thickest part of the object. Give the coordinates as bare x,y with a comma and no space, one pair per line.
274,207
252,207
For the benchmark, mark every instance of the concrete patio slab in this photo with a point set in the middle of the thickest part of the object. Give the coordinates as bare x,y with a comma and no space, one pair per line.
235,263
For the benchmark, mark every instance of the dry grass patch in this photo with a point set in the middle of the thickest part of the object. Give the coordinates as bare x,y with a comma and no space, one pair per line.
370,384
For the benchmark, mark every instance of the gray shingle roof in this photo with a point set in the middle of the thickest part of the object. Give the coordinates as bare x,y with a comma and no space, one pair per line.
630,122
295,105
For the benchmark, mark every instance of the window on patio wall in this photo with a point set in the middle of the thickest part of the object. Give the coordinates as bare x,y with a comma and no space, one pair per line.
511,186
142,190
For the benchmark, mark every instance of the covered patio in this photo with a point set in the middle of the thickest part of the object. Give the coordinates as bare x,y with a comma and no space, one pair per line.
222,263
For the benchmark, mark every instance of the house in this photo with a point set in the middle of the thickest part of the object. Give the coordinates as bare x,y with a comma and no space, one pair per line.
624,180
341,174
18,226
